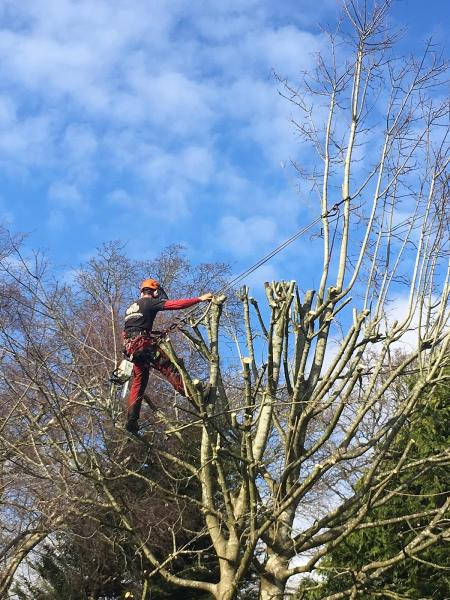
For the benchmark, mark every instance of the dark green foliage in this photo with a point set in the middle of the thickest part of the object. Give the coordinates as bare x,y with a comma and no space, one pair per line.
77,569
72,569
309,589
97,558
425,487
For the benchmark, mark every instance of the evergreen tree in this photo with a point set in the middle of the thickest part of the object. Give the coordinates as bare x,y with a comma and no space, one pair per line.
425,489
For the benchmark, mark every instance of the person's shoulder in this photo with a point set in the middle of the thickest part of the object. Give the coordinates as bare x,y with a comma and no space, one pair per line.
151,303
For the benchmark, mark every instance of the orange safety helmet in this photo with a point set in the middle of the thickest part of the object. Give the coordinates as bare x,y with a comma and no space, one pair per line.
150,283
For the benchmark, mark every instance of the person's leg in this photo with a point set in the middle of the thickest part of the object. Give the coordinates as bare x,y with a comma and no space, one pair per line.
163,364
138,385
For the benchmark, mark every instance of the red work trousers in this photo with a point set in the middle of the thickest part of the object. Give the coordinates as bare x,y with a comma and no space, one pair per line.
141,371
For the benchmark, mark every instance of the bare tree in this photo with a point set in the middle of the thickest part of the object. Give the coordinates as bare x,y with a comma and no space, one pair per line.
59,438
321,412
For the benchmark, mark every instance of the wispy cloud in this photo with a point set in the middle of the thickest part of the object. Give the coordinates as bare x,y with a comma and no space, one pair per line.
67,204
166,109
242,237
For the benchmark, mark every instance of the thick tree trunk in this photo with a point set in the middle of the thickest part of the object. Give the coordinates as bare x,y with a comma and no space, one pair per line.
225,593
273,581
225,588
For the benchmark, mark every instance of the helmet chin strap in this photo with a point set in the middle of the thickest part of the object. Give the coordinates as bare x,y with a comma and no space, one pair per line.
159,293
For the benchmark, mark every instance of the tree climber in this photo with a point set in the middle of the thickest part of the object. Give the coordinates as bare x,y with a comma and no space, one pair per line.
142,347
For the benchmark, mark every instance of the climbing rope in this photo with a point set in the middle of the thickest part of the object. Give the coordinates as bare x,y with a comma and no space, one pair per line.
329,213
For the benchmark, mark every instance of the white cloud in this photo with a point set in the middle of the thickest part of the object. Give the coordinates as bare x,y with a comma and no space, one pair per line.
172,180
80,142
80,153
173,101
397,310
66,196
121,199
67,205
244,237
416,327
156,107
125,61
6,213
7,111
192,163
287,50
24,142
267,272
171,208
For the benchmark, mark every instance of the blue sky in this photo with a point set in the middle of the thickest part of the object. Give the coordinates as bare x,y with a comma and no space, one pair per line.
159,122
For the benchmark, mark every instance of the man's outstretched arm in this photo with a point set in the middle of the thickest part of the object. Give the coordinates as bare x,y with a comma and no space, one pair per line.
186,302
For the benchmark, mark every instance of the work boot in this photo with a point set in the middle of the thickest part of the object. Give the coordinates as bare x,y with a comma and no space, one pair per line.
206,392
132,425
204,388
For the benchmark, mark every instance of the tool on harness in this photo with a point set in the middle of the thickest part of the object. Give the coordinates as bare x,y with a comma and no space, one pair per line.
122,373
